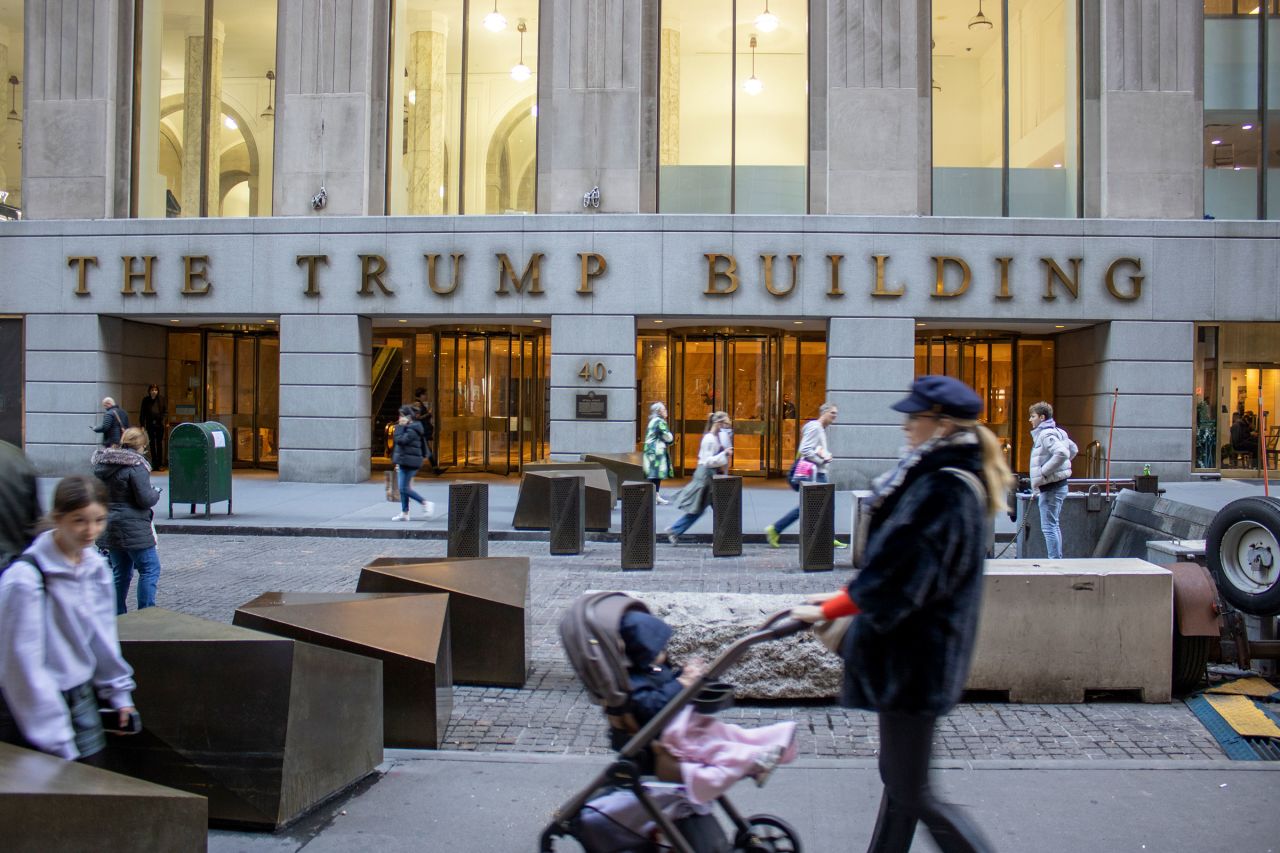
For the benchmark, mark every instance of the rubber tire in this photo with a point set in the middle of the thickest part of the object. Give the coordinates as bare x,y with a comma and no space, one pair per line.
1264,512
1190,662
777,828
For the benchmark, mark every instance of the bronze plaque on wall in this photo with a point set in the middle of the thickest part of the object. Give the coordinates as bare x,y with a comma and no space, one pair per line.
592,406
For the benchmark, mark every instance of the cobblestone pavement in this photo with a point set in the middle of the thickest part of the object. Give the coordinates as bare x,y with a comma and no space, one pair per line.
209,576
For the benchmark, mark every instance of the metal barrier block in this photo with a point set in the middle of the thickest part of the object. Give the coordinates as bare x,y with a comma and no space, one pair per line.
568,499
726,516
533,502
490,633
637,525
266,727
817,527
468,520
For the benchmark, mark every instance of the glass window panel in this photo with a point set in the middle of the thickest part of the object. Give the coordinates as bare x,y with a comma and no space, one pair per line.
1206,398
651,360
242,135
1043,117
182,377
1232,123
11,75
968,108
1273,116
219,385
268,399
426,107
695,109
502,109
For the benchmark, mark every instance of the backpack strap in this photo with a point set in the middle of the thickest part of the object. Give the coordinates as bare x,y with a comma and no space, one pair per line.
30,561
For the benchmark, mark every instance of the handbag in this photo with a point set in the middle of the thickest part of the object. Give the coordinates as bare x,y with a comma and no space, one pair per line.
802,471
392,484
831,633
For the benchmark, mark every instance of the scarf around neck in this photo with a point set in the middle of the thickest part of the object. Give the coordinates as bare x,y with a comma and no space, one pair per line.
890,481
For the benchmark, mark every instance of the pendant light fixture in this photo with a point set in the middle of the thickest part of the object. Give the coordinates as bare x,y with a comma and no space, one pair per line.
766,22
521,72
980,21
933,81
13,98
753,86
270,112
494,22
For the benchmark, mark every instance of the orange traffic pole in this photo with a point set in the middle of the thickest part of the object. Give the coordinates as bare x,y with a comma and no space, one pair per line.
1111,432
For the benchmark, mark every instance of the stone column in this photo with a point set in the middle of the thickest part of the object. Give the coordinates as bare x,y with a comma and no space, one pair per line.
589,105
1152,103
325,362
670,94
869,115
426,131
578,340
870,366
8,138
74,89
193,113
330,112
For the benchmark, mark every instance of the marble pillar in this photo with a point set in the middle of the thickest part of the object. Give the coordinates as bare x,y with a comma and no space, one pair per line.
193,108
425,134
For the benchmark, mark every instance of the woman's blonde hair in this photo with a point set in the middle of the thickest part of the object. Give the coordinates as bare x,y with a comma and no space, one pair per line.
134,438
996,475
713,419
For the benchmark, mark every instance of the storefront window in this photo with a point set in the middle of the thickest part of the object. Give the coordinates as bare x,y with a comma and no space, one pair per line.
733,111
1241,70
1237,368
206,92
444,158
11,38
1006,103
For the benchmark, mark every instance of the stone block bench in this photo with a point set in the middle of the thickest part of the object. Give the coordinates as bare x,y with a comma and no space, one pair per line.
408,633
48,805
1051,631
489,627
265,727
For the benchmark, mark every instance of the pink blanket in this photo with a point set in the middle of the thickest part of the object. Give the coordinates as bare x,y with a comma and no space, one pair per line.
713,755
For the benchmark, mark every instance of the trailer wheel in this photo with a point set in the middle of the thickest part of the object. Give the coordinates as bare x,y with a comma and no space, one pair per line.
1190,662
768,834
1243,548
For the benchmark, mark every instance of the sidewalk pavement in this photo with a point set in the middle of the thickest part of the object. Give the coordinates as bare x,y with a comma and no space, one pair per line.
460,803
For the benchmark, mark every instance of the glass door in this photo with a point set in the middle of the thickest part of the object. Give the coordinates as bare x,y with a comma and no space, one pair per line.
748,387
1247,418
241,390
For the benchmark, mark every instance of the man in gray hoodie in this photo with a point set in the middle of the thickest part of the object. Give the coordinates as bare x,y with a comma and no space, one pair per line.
1051,455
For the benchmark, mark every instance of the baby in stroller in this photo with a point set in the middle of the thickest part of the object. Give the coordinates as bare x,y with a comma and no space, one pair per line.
712,755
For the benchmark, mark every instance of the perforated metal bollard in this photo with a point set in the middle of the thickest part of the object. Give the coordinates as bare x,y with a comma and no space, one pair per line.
726,516
468,519
637,525
568,514
817,527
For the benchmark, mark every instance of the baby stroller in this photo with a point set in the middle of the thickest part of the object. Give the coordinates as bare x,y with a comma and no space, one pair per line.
608,816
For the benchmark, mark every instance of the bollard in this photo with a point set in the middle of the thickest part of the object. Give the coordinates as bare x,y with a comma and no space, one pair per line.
468,520
817,527
637,525
568,514
726,516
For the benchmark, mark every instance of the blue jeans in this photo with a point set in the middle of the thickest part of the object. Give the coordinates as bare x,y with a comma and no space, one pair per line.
1050,510
123,562
794,514
406,488
686,521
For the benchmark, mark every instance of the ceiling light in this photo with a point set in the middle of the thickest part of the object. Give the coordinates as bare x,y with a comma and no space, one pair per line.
270,112
922,324
175,321
980,21
1236,168
798,322
766,22
537,321
413,96
659,322
271,321
753,84
494,22
521,72
402,321
1059,327
230,123
1215,141
1246,127
1057,165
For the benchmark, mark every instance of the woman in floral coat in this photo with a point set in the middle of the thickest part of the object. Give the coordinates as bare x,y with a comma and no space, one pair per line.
657,454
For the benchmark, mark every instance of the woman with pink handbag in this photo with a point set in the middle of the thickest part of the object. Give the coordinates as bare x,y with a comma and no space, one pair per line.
810,467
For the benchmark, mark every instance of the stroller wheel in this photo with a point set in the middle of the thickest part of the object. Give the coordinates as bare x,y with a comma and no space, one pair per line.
768,834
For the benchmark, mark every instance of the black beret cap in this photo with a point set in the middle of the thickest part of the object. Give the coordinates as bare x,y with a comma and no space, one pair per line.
941,395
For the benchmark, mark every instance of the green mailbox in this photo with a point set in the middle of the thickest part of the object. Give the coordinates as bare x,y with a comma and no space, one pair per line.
199,465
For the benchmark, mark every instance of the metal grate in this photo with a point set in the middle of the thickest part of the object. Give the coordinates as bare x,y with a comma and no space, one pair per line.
726,516
637,525
468,520
817,527
568,497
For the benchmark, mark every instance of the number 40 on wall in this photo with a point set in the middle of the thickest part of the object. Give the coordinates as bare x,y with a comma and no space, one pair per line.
590,372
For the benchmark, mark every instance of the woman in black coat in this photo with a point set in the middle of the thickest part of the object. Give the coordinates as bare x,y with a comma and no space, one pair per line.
409,449
917,599
130,539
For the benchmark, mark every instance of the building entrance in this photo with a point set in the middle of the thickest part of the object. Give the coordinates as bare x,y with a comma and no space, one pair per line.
768,381
488,390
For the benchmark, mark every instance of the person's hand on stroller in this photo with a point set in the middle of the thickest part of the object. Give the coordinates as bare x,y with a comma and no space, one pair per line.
807,613
693,669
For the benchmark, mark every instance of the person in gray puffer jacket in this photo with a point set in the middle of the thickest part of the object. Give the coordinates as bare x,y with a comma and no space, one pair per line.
1051,455
129,540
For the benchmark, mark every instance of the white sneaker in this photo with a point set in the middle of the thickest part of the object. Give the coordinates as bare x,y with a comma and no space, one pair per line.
428,510
662,501
400,516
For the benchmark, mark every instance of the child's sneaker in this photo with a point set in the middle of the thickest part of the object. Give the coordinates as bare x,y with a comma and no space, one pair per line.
765,763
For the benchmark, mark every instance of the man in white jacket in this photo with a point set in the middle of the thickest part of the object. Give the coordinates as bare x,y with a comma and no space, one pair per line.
1051,455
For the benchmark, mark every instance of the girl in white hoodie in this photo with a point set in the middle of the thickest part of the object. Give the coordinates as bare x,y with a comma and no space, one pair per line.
58,641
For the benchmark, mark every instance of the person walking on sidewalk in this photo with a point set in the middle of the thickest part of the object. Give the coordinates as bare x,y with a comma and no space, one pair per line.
130,540
915,605
19,502
1051,453
114,422
696,497
810,466
657,450
409,451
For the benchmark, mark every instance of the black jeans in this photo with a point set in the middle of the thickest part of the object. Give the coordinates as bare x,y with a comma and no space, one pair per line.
906,741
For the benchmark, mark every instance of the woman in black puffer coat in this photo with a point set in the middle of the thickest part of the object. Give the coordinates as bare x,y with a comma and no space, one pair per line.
130,540
408,453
